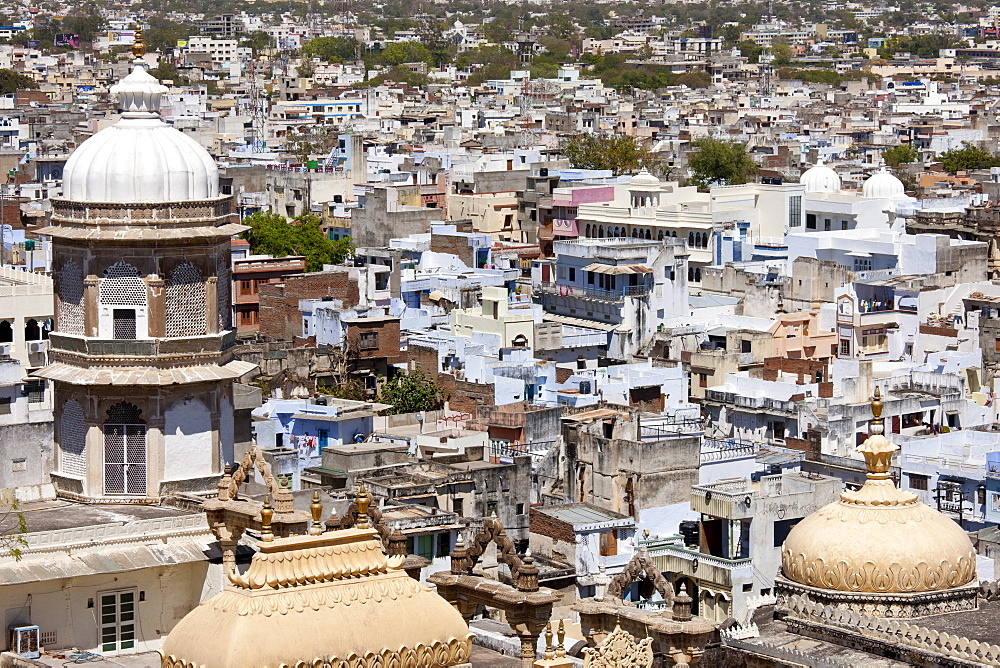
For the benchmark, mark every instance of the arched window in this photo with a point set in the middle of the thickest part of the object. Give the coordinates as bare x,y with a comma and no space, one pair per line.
635,233
586,232
520,341
32,331
122,287
659,235
124,450
691,239
649,235
70,315
6,332
185,307
72,440
600,231
697,275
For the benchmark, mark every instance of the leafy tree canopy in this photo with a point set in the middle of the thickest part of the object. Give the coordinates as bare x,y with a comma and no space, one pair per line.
903,154
969,156
11,82
398,53
258,41
719,162
272,234
410,393
621,154
332,49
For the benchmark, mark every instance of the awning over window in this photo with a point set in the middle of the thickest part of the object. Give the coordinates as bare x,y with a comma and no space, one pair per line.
617,269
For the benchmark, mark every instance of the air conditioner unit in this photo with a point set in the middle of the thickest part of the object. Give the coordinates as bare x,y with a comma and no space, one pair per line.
24,641
4,350
38,346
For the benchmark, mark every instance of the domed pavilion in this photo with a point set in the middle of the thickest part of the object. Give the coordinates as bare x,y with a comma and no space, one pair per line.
879,550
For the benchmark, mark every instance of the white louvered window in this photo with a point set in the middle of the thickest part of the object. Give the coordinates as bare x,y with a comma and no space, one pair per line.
185,307
70,316
72,440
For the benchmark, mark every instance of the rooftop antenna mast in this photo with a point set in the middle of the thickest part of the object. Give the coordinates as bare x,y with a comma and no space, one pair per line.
255,135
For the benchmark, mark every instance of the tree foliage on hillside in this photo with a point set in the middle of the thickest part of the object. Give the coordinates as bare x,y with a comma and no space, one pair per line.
620,153
969,156
719,162
272,234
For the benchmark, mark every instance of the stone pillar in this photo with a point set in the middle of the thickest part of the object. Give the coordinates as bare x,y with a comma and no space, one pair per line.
91,305
156,305
528,644
212,304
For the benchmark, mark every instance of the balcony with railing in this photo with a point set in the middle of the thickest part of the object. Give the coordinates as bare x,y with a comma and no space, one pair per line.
673,558
589,292
763,404
728,499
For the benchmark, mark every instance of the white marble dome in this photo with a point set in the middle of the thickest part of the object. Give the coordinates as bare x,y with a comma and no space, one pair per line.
820,179
883,185
644,180
140,158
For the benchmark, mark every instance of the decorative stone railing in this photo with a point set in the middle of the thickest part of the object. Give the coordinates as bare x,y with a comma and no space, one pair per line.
895,631
106,534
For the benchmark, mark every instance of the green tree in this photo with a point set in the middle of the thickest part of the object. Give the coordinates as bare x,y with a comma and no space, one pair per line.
750,49
719,162
332,49
783,54
85,21
272,234
903,154
11,82
969,156
620,153
398,53
410,393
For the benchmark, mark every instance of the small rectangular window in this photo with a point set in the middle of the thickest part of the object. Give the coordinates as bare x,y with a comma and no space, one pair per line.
368,340
5,405
845,347
918,482
35,389
572,275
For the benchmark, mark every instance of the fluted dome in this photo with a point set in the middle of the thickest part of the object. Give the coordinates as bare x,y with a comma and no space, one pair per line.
332,599
878,539
140,158
883,185
644,180
820,179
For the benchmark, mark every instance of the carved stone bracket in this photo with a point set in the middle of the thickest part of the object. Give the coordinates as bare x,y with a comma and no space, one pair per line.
464,559
620,650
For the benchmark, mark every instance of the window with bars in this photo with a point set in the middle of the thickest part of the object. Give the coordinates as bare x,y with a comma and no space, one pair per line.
35,391
368,340
124,323
124,451
185,307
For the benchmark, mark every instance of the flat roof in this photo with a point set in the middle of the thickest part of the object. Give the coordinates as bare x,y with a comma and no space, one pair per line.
581,514
55,515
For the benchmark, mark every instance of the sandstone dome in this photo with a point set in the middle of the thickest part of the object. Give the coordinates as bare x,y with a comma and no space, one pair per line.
879,539
140,159
883,185
820,179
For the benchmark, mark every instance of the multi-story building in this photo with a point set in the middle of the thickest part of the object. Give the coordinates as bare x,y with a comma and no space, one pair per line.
626,286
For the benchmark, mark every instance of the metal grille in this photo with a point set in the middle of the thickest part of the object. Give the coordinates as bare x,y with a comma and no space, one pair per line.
72,439
122,286
185,302
124,323
124,450
223,274
70,316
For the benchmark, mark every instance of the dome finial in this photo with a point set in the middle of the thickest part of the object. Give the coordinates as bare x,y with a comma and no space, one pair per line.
138,45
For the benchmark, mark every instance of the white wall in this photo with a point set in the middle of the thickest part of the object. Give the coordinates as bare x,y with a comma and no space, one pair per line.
187,441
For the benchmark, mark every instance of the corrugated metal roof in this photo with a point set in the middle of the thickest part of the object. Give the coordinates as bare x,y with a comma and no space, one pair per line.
580,515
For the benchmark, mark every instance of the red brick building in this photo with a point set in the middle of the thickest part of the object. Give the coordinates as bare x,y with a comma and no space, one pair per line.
249,276
278,300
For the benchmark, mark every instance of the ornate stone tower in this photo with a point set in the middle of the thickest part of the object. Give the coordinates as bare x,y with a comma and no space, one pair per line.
139,353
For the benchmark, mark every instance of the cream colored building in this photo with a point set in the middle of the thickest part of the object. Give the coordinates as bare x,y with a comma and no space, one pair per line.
490,213
515,328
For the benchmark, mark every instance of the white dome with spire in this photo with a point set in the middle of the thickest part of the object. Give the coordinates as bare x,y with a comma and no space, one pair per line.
883,185
140,158
644,180
820,179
